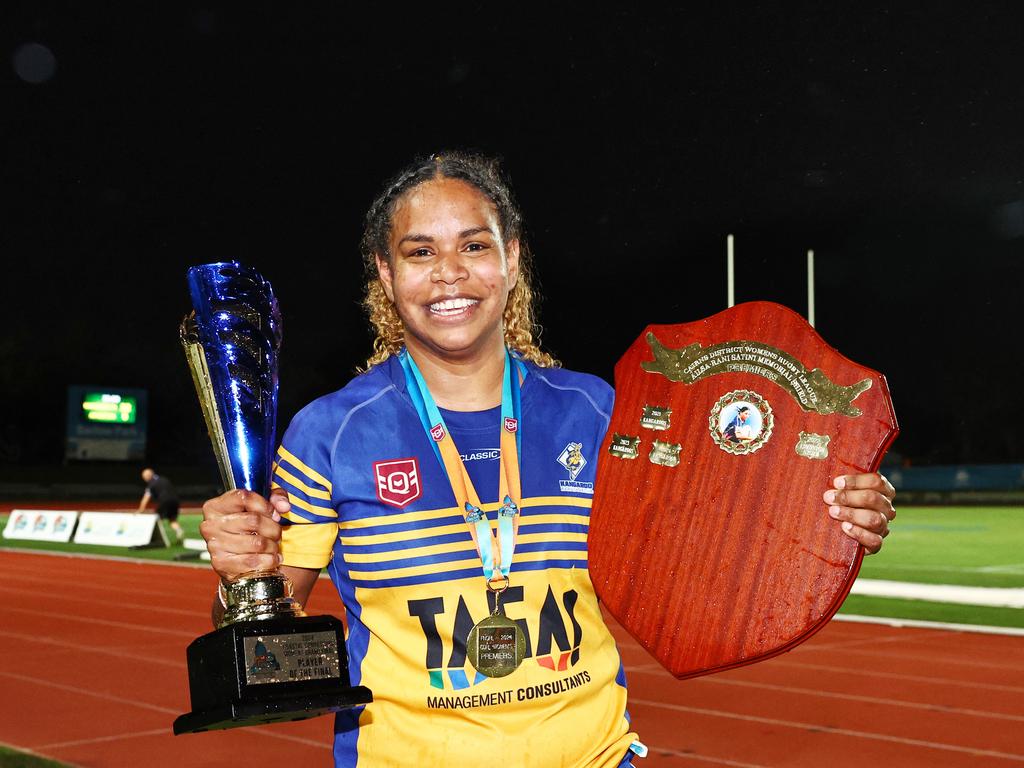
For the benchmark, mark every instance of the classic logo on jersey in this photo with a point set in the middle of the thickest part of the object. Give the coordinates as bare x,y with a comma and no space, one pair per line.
437,432
483,454
556,646
398,481
511,425
573,460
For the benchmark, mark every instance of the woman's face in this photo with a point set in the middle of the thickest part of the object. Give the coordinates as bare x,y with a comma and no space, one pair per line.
450,272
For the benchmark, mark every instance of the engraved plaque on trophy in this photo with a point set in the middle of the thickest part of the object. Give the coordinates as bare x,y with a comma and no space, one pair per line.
267,661
709,539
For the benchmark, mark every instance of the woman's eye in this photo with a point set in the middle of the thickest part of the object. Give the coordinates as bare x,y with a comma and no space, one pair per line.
475,247
420,252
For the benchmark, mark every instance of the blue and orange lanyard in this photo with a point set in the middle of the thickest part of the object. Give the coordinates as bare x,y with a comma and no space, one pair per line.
509,485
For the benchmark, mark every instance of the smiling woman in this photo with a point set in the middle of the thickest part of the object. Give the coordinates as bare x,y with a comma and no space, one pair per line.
463,451
498,221
448,272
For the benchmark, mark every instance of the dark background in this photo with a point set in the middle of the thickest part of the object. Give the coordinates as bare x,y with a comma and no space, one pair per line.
140,139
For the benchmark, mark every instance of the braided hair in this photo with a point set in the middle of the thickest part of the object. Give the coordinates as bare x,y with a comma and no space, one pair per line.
484,173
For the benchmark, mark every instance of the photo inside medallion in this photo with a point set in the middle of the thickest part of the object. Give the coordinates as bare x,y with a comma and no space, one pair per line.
740,422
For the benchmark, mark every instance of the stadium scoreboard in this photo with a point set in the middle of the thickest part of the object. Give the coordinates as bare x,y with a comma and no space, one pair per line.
106,423
109,408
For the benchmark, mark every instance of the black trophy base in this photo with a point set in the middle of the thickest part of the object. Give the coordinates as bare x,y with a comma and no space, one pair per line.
268,671
238,714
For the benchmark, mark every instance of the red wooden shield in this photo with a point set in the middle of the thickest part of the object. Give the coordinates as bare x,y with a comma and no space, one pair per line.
709,540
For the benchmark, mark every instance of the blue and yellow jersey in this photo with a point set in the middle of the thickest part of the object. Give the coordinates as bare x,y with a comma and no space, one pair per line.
372,503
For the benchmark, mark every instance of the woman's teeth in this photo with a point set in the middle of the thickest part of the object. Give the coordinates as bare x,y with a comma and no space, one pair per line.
451,306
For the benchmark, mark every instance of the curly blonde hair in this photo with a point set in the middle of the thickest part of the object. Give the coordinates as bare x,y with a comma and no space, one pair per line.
522,333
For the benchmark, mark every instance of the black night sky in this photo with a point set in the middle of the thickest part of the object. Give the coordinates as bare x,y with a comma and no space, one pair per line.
143,138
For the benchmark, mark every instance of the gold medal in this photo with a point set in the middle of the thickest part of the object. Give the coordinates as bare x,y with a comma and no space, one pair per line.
496,646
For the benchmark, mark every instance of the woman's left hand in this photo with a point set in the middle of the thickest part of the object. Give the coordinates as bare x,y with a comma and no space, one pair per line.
863,505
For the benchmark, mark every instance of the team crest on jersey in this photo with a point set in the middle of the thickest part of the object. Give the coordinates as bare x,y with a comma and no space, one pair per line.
574,461
398,481
511,425
437,432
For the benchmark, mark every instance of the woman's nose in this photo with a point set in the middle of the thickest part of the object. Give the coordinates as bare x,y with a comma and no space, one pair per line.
448,268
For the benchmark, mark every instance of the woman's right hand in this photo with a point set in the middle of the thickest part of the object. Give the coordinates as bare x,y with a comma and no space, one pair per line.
243,532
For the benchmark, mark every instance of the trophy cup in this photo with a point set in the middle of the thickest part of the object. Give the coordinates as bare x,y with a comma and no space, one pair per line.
267,661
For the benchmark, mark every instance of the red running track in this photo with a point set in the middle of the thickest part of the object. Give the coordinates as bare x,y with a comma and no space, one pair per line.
93,674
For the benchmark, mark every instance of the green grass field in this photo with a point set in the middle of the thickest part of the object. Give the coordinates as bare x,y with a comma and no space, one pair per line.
966,546
12,758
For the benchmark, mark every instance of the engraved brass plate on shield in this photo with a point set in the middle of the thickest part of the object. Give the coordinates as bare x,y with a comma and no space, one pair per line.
656,417
665,454
812,446
496,646
624,446
812,390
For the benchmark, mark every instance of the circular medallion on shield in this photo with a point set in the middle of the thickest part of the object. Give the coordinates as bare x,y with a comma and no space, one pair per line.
741,422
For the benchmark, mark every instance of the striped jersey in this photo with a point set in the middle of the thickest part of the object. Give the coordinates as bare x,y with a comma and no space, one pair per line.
371,501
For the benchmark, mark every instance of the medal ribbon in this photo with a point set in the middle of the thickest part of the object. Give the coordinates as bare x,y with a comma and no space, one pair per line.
509,485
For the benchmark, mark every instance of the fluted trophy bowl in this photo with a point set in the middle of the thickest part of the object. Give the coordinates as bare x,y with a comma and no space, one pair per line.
232,340
267,660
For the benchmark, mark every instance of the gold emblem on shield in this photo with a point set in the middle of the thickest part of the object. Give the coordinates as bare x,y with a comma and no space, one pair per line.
624,446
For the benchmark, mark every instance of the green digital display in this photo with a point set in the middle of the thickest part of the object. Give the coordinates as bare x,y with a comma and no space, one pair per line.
109,408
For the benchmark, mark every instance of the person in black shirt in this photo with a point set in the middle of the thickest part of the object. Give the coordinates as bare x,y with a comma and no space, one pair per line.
160,490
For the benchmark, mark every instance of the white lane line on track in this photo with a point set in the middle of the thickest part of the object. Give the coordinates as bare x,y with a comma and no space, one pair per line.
921,648
118,652
899,676
153,708
936,625
76,599
102,622
1010,568
89,692
654,669
856,697
894,655
833,645
116,584
101,739
831,730
1002,597
700,758
117,559
657,669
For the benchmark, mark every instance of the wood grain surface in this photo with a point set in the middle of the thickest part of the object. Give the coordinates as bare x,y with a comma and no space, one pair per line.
725,559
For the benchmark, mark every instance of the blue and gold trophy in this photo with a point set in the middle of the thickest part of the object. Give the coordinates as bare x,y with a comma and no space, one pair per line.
267,661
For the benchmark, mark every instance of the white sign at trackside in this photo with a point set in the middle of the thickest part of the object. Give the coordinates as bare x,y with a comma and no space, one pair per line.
117,529
40,525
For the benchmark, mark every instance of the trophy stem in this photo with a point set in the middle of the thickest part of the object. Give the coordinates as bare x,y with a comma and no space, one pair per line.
260,595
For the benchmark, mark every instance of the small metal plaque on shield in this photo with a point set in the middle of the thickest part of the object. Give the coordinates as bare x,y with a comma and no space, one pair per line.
813,446
291,657
665,454
624,446
656,417
496,646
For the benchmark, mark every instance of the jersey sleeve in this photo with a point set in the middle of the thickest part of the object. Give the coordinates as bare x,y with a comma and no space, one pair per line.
303,469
